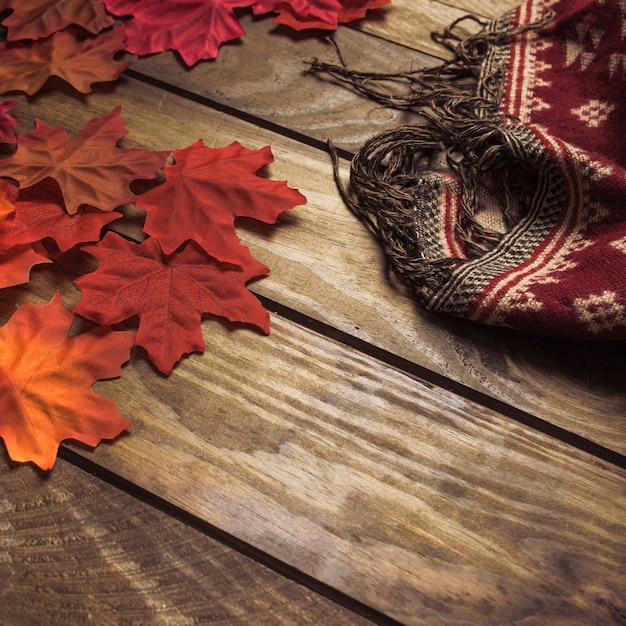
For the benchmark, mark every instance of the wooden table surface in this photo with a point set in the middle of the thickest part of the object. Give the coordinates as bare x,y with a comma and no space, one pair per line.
366,462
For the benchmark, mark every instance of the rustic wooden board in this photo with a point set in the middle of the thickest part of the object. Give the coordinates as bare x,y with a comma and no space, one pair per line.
575,385
265,77
411,23
425,506
75,550
263,74
376,484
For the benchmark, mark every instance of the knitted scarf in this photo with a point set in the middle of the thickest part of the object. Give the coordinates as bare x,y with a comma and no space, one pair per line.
505,201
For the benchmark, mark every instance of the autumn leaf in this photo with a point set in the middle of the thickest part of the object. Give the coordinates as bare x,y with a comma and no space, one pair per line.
46,378
325,14
300,14
16,263
40,213
26,66
6,205
36,19
324,11
7,122
197,28
168,293
89,167
205,190
194,28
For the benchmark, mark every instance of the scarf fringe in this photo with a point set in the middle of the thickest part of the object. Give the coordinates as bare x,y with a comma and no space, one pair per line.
459,108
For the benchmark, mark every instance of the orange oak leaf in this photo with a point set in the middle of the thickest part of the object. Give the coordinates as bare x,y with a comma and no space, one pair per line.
7,122
169,293
35,19
205,190
89,167
26,66
194,28
40,213
16,263
6,205
45,382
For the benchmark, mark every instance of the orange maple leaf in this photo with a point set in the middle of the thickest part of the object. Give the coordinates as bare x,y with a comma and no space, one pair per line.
26,66
89,168
7,122
6,206
35,19
46,378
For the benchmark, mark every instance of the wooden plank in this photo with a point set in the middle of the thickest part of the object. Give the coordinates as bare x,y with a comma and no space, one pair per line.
375,484
411,23
75,550
575,385
483,8
408,498
266,77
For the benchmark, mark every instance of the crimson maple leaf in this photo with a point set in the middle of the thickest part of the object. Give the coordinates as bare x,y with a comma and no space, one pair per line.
16,263
169,293
7,122
46,378
205,190
89,167
325,14
194,28
26,66
39,212
35,19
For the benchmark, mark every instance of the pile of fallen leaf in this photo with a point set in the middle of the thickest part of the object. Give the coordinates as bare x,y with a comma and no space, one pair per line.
58,193
76,40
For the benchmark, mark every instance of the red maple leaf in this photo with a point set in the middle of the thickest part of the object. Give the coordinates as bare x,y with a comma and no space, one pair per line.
35,19
26,66
16,263
194,28
46,378
325,11
89,167
7,122
205,190
168,293
324,14
39,212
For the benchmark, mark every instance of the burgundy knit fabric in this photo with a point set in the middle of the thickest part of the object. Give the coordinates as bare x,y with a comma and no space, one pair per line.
505,201
565,85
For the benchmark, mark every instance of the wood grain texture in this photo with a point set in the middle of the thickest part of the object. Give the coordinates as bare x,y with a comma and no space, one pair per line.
74,551
575,385
411,23
265,76
428,508
412,500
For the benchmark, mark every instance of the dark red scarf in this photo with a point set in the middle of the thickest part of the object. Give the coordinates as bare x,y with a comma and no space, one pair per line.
505,203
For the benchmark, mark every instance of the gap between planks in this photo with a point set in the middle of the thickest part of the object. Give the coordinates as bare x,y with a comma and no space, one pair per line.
360,476
495,362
